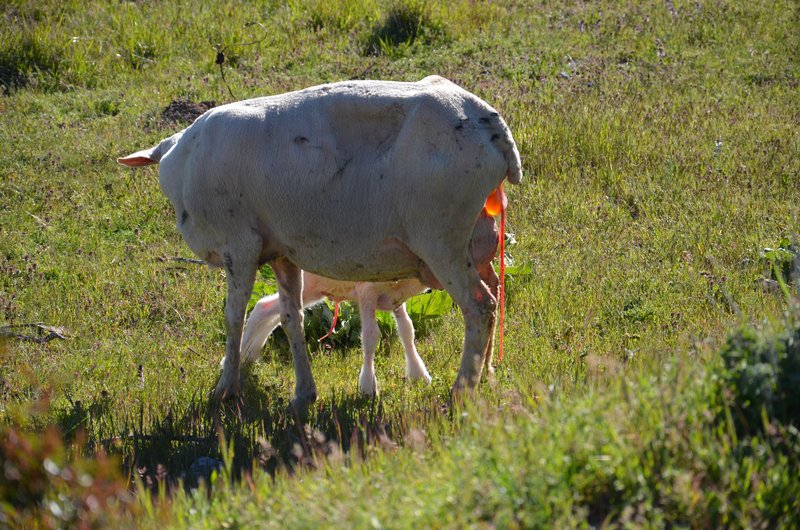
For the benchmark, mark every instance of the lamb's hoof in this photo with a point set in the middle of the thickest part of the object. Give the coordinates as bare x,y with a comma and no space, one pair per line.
368,386
418,373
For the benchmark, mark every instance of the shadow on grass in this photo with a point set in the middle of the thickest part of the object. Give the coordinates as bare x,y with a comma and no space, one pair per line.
185,445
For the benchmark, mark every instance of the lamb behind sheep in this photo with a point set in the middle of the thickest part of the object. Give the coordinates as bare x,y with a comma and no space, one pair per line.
372,296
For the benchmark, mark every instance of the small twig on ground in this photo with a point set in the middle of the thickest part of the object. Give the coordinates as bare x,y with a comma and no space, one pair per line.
196,353
189,260
365,71
182,260
38,219
51,332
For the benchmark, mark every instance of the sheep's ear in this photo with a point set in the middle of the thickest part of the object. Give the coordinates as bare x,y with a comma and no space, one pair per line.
138,159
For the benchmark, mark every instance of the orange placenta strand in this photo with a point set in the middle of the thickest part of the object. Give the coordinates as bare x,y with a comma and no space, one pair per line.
495,204
333,324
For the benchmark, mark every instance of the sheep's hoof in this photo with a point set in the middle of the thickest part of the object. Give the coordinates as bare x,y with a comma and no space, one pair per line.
302,402
226,391
462,389
489,371
370,390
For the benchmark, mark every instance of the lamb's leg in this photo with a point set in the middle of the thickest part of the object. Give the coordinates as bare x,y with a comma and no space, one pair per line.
370,335
240,266
415,367
263,320
265,317
290,287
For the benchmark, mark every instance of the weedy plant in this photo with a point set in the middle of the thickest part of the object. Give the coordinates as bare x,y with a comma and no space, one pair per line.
405,23
761,380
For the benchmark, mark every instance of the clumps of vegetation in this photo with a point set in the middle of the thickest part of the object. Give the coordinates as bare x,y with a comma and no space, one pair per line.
341,16
761,380
26,58
783,261
41,486
138,53
38,52
643,452
405,23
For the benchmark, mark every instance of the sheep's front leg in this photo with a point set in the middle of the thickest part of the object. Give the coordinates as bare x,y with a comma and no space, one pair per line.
415,367
240,268
290,287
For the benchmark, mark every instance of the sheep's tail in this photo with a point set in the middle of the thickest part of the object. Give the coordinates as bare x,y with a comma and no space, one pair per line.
152,155
503,140
514,171
509,149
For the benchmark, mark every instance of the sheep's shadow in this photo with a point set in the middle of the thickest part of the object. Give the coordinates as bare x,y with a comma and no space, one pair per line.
187,444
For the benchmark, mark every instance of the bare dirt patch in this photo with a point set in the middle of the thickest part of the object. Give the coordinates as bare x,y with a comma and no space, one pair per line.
185,110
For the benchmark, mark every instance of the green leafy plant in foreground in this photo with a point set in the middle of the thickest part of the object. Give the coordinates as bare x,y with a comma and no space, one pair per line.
761,379
783,263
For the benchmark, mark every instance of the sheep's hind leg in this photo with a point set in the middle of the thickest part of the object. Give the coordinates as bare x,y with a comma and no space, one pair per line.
266,316
290,287
240,265
461,280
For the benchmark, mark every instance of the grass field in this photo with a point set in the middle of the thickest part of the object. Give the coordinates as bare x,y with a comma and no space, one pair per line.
648,377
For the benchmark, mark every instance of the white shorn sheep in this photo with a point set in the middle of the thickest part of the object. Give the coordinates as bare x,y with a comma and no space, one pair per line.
357,180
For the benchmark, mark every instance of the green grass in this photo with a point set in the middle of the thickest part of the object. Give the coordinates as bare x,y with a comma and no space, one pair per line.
661,154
